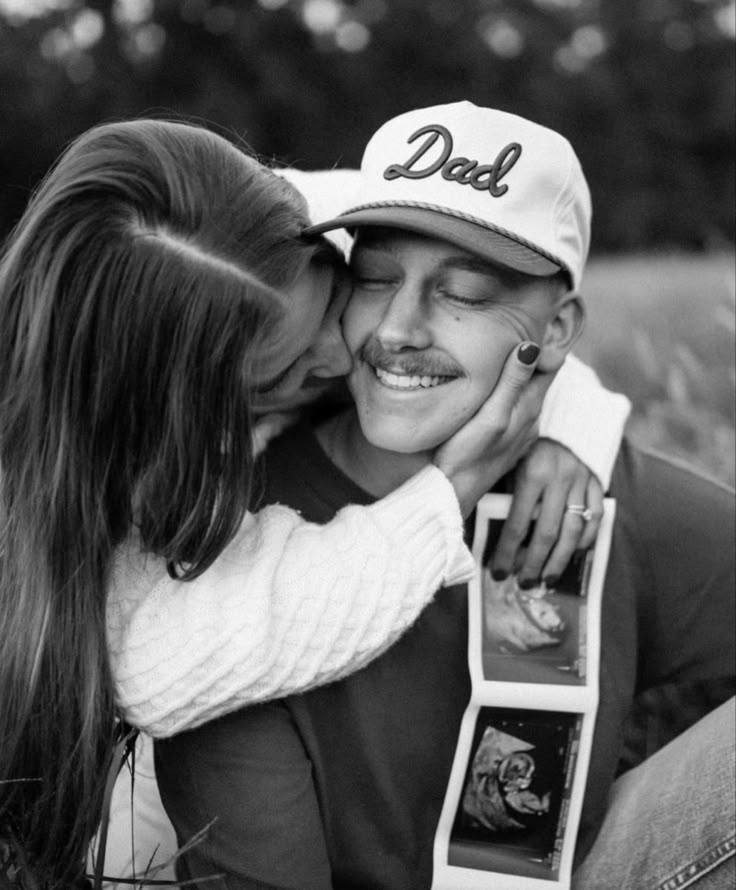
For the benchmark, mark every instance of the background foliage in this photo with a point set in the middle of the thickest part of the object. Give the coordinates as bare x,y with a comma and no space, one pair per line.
643,88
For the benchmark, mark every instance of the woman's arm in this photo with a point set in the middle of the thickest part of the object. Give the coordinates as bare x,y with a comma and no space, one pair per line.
581,426
585,417
287,606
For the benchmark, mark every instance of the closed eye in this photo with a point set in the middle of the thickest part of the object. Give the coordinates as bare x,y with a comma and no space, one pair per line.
464,301
272,385
370,270
374,281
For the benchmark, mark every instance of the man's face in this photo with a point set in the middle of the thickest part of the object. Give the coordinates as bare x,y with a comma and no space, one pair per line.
430,327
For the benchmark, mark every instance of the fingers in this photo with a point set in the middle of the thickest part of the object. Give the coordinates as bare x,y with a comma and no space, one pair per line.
515,528
576,533
547,482
572,527
506,422
473,439
519,393
594,502
498,435
517,372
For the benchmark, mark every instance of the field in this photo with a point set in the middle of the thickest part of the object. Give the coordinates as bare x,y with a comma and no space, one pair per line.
661,329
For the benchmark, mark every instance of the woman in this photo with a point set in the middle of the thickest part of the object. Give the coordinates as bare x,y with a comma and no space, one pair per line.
156,282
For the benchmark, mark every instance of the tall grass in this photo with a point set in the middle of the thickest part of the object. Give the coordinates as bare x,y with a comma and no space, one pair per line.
662,330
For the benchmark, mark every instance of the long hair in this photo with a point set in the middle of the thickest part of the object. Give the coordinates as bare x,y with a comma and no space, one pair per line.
134,293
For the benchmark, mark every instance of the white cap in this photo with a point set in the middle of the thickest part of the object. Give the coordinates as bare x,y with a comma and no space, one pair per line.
492,183
327,193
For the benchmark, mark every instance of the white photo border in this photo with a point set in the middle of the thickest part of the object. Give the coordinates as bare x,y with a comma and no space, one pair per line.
581,700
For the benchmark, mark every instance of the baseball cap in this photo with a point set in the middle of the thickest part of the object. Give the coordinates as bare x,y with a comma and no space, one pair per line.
327,193
493,183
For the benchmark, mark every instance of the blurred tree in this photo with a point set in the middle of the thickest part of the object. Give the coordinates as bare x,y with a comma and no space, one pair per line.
643,88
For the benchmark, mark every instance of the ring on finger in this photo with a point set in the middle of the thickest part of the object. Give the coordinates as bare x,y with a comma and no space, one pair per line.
585,513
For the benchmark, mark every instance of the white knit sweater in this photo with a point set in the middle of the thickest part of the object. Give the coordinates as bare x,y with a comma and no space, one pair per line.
287,606
290,605
584,417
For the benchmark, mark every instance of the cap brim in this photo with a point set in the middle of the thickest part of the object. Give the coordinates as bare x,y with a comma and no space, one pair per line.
469,233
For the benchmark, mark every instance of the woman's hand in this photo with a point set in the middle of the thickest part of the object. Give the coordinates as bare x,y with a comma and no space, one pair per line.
500,433
549,479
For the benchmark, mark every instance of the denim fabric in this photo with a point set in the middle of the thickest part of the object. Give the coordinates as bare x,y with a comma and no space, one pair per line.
671,822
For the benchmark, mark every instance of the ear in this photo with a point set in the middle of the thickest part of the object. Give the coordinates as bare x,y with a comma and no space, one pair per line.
561,332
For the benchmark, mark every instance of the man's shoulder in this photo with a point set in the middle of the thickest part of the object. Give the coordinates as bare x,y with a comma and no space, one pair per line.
666,498
640,469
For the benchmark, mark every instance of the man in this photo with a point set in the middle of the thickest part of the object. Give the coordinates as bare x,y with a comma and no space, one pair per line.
473,242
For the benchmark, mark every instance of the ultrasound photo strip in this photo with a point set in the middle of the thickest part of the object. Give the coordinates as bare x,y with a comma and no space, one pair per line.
513,801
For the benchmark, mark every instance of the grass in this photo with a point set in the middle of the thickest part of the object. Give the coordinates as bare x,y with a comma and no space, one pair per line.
662,330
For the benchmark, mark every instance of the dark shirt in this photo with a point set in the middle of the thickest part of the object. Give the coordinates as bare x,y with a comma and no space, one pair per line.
342,787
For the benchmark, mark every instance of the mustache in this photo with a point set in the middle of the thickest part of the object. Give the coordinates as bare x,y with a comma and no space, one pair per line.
419,364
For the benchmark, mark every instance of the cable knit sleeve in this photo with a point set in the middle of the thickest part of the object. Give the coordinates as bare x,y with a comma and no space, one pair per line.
287,606
585,417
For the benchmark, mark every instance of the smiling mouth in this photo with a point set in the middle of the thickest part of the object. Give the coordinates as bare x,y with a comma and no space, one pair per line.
409,381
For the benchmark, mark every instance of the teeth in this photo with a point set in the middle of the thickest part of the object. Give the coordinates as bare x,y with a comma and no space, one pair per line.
404,381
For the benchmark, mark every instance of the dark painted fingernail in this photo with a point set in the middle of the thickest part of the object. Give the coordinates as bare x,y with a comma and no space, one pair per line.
528,353
499,575
528,583
551,580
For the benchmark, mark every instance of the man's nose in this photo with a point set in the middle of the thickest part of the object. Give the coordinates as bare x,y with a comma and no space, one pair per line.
330,354
404,320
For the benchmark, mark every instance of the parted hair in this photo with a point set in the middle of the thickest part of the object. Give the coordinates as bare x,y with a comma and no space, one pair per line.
134,292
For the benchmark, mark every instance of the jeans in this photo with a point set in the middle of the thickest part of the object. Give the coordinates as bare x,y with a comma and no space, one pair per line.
671,822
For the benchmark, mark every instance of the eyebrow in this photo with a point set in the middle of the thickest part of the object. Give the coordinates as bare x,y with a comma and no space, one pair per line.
471,264
459,262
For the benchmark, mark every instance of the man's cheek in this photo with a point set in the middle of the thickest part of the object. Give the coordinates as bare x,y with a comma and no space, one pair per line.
360,318
348,332
355,337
